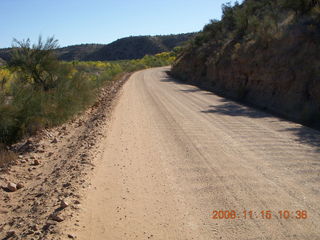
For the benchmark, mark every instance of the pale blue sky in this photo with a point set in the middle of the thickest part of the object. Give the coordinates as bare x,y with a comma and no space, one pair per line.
101,21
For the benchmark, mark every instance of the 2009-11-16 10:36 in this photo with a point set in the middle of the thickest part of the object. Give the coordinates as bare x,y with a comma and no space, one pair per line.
264,214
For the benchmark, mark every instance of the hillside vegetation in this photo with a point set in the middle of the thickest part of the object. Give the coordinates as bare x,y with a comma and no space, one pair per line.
2,62
39,91
138,47
78,52
263,52
122,49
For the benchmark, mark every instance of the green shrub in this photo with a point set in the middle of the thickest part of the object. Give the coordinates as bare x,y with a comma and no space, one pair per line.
300,7
43,92
36,64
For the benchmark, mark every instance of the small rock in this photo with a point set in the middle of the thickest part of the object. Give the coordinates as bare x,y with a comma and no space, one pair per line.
56,217
20,185
71,236
48,224
20,157
39,195
23,161
36,162
63,204
10,233
29,232
51,222
12,187
55,140
34,228
3,211
65,185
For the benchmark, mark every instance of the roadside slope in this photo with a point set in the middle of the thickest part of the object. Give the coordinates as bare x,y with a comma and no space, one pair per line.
174,153
264,53
52,167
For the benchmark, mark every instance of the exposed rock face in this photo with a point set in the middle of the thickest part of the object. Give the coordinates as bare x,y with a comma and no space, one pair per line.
282,76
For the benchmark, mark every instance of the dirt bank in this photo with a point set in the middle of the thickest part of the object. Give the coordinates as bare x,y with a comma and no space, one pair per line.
52,168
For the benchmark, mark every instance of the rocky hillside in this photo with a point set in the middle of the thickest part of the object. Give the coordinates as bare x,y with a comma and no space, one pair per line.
138,47
78,52
265,53
122,49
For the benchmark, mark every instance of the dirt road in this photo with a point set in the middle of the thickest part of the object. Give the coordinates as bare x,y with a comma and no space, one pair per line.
174,154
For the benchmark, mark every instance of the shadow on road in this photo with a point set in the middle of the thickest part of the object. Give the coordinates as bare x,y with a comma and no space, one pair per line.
307,136
190,90
233,109
178,82
172,80
303,134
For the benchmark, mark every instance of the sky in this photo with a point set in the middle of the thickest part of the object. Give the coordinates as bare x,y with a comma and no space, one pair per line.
102,21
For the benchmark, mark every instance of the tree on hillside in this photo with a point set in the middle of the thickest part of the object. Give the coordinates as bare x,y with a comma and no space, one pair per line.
228,17
300,7
37,63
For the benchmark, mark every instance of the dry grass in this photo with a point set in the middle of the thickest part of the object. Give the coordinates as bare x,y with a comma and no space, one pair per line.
6,157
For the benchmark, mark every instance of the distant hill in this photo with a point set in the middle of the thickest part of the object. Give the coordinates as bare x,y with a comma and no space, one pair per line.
4,54
78,52
2,62
138,47
122,49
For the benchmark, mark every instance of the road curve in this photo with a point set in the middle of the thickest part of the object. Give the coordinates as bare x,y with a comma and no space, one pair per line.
174,154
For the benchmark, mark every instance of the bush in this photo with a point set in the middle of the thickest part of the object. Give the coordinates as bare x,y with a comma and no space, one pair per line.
39,91
300,7
31,109
228,16
36,64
